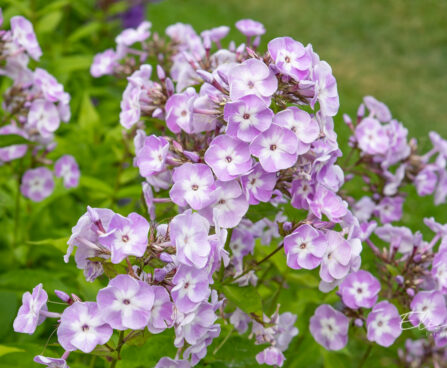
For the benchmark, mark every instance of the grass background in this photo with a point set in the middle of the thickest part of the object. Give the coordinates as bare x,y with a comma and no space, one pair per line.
395,50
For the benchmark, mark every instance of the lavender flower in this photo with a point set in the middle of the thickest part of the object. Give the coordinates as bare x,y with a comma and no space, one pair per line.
250,28
51,362
305,247
104,63
428,308
126,236
258,186
384,324
335,263
325,89
67,168
228,157
162,312
151,157
37,184
329,327
360,290
126,303
276,148
247,117
23,34
271,356
82,327
193,185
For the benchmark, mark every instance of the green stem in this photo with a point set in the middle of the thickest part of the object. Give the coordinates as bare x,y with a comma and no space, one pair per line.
365,356
118,349
17,208
223,341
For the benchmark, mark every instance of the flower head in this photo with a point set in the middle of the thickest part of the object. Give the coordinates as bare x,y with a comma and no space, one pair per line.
67,169
360,289
37,184
384,324
329,327
29,317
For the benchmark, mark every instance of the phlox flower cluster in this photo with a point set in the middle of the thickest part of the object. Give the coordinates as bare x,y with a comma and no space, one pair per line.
245,130
34,106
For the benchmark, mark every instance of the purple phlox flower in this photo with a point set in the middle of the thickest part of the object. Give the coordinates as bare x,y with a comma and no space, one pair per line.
276,148
242,243
37,184
300,122
428,308
252,77
258,186
166,362
126,236
271,356
329,327
359,290
82,328
364,208
336,261
240,321
85,235
390,209
372,137
436,227
302,193
305,247
384,324
189,233
151,157
186,38
132,35
51,362
131,101
15,151
52,90
23,34
331,176
219,255
325,89
366,229
247,117
180,111
43,116
216,34
126,303
393,181
67,168
191,288
193,186
425,181
33,311
285,330
195,325
162,312
230,205
441,189
228,157
398,236
149,200
399,149
290,57
198,351
328,203
250,28
162,180
377,109
104,63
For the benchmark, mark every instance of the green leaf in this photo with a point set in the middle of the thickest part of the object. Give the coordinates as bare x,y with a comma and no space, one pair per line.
84,31
8,306
111,270
60,243
9,349
12,139
88,116
260,211
246,298
49,22
95,184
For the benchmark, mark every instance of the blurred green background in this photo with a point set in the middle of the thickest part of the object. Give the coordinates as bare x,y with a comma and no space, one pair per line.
395,50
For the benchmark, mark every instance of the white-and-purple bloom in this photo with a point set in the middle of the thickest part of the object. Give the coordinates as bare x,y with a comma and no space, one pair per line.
104,63
325,89
83,328
189,233
271,356
360,290
305,247
290,57
276,148
247,117
151,157
51,362
228,157
329,327
126,303
193,186
37,184
162,313
302,124
428,308
67,168
23,34
126,236
258,186
384,324
252,77
250,28
43,116
336,261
